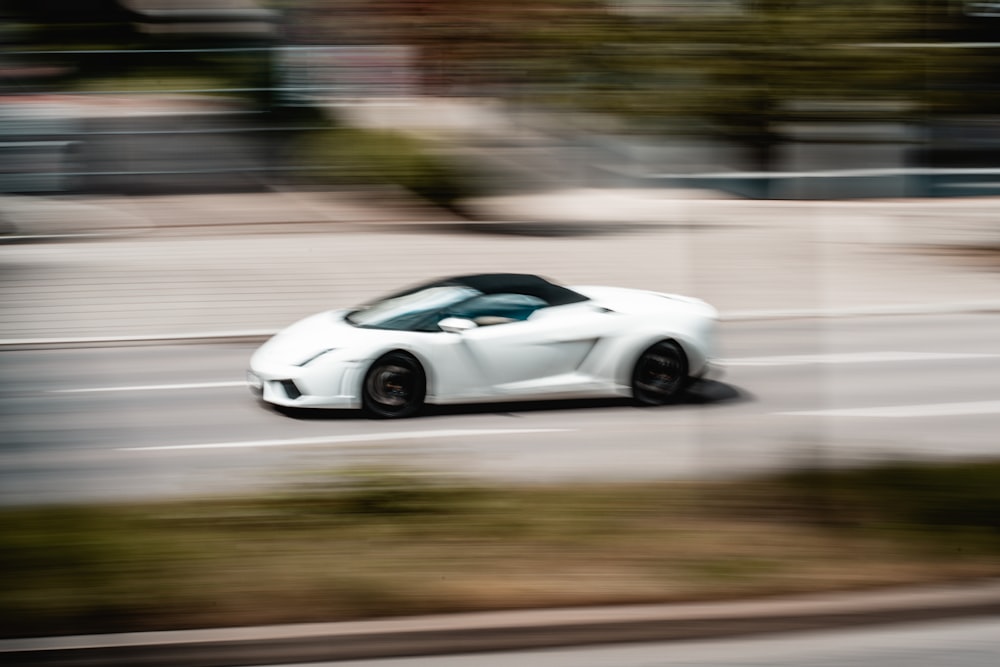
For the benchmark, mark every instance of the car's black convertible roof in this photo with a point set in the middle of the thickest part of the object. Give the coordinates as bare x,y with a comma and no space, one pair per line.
514,283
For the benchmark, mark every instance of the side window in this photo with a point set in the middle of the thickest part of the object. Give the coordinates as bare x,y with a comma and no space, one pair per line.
490,309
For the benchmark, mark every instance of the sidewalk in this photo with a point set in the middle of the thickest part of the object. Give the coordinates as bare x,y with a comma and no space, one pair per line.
210,265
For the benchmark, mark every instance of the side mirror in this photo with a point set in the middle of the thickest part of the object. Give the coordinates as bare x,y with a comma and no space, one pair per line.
456,324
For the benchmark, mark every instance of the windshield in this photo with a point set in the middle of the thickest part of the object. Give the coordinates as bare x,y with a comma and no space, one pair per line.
414,311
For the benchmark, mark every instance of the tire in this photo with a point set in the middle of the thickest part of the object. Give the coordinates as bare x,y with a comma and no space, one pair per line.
660,374
394,387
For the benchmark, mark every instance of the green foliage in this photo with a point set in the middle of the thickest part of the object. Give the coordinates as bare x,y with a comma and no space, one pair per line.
83,566
353,157
954,506
741,74
950,497
380,541
364,494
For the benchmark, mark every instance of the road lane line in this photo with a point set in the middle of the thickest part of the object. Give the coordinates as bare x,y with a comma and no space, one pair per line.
852,358
340,439
151,387
906,411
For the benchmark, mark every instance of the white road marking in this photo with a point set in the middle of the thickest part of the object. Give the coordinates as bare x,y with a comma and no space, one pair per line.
907,411
151,387
851,358
358,437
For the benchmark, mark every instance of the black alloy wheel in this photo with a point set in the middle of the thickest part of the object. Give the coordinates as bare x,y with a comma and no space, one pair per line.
660,374
394,386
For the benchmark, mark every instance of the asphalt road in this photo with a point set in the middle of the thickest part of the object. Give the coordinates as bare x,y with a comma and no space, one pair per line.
151,421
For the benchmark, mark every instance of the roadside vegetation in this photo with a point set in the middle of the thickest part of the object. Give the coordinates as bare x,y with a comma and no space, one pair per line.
752,75
362,544
352,157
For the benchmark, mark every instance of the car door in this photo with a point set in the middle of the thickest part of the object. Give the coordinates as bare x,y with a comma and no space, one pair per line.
522,347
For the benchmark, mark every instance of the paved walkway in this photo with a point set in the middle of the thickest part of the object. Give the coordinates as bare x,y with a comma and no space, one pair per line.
209,264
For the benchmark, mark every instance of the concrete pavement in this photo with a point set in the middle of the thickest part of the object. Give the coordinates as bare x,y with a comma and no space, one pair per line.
209,265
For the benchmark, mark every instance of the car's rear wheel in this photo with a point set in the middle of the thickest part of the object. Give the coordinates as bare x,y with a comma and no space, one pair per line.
395,386
660,374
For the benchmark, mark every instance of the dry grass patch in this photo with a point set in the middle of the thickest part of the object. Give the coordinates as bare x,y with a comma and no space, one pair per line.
386,544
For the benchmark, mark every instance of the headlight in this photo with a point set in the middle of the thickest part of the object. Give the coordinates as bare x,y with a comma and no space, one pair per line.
316,356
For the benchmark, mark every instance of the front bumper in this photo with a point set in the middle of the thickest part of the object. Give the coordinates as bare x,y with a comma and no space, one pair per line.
305,392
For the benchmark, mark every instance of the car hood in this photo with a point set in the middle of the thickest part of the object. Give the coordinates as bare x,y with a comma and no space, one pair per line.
312,336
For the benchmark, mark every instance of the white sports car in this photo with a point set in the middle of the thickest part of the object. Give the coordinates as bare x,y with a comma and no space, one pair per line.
488,337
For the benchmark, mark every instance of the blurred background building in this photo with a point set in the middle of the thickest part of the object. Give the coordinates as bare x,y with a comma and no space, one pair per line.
761,98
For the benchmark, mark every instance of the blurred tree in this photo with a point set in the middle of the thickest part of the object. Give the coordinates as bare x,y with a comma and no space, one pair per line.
70,22
69,25
112,39
77,11
738,70
741,76
736,74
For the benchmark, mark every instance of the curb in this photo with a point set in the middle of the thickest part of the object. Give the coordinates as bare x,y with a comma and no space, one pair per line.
505,631
208,338
18,239
887,310
261,335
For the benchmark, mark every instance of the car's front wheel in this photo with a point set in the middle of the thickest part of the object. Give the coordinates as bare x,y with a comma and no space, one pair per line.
660,374
394,386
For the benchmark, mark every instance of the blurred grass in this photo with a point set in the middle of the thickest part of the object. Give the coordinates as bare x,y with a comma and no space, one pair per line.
388,542
167,82
342,156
